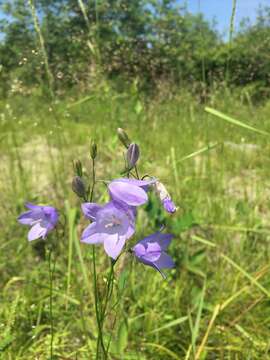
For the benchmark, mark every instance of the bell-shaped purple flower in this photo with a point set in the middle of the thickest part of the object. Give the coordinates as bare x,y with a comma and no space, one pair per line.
165,198
112,225
42,220
151,251
131,192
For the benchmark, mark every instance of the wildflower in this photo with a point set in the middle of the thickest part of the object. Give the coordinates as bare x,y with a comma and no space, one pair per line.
131,192
165,198
133,154
112,225
42,220
151,251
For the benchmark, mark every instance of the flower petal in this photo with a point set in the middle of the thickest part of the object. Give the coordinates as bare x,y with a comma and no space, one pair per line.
91,236
113,245
142,183
90,210
139,250
169,205
163,239
32,206
36,232
26,218
164,262
128,193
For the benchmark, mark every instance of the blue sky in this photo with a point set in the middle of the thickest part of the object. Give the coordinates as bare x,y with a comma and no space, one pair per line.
221,10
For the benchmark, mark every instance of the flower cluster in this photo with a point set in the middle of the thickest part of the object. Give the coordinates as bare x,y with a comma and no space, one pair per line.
113,223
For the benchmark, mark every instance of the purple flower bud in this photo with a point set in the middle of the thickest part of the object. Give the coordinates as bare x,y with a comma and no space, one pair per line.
133,154
123,137
165,198
169,205
78,186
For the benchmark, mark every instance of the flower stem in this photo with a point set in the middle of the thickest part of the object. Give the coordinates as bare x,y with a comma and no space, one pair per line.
51,270
93,180
100,334
108,295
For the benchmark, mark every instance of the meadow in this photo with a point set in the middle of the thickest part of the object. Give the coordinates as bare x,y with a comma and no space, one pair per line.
215,303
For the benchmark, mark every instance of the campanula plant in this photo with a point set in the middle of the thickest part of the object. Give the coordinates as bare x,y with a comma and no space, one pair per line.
112,225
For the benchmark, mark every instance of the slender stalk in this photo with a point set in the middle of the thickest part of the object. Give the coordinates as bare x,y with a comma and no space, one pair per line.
93,180
100,335
42,47
108,295
51,270
230,38
109,290
137,173
98,318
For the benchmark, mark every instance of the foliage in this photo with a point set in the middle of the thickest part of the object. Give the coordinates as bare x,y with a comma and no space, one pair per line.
153,41
221,230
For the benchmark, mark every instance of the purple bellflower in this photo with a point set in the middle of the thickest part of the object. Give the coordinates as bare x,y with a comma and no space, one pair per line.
42,220
112,225
165,198
131,192
151,251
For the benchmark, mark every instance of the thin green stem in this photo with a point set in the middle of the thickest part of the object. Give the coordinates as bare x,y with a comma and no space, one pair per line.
93,180
109,290
137,173
51,300
108,295
100,335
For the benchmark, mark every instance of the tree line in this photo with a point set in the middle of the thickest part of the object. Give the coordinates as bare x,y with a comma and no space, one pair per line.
68,43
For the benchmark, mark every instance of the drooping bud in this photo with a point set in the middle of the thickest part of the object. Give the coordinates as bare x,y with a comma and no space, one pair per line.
78,186
93,150
133,154
77,166
165,198
123,137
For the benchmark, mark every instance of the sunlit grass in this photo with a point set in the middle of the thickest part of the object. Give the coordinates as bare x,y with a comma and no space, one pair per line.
214,304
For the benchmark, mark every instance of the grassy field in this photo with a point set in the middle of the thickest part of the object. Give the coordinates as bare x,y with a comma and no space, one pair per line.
214,304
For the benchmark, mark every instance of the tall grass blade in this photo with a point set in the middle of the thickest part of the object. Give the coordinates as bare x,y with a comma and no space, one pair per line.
199,152
170,324
234,121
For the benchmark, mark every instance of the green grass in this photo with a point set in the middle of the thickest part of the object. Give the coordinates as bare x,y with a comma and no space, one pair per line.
215,303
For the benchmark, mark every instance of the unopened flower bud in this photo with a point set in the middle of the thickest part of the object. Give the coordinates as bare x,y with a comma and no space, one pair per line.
77,166
165,198
123,137
78,186
133,154
93,150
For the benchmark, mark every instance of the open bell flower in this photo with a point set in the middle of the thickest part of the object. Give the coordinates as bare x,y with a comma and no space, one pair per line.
111,226
42,220
151,251
131,192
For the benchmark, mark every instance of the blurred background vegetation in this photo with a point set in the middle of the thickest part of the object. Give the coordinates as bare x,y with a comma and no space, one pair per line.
158,43
71,70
